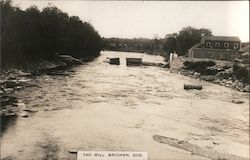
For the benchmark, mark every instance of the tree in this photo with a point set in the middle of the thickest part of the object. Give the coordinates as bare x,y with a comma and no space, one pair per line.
156,42
34,34
189,36
54,23
185,39
170,43
12,28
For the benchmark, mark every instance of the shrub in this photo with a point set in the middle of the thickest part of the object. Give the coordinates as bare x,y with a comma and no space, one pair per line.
241,72
201,67
198,65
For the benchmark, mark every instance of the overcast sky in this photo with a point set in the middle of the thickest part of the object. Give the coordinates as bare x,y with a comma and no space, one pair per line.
130,19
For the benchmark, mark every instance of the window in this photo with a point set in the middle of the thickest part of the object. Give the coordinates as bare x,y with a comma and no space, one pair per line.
208,44
217,44
236,45
226,45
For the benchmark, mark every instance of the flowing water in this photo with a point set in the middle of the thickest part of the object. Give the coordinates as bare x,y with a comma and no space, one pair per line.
98,106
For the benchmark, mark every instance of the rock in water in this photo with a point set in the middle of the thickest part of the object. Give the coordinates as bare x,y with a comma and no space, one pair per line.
11,84
246,89
237,101
24,114
69,60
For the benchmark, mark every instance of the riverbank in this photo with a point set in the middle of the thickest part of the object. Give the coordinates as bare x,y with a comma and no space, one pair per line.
226,73
222,78
15,78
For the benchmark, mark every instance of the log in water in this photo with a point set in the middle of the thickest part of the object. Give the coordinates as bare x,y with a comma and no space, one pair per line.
134,61
191,86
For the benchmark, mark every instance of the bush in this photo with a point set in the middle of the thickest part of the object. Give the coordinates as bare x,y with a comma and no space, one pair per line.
241,72
201,67
198,65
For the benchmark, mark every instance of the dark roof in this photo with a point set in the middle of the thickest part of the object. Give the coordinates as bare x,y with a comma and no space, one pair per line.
220,38
197,45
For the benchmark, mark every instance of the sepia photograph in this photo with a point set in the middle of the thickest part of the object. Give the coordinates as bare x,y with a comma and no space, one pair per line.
124,80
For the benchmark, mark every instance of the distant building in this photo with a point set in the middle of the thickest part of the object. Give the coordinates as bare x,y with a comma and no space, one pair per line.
216,47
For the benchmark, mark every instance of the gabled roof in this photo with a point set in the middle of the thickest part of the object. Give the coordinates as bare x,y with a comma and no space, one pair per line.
197,45
220,38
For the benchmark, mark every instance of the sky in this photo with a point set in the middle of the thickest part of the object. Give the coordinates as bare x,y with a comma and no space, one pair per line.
147,19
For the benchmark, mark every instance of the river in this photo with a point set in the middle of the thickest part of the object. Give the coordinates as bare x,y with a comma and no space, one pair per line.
98,106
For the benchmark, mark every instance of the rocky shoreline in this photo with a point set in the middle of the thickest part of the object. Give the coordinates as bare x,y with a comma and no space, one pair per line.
15,78
223,78
232,74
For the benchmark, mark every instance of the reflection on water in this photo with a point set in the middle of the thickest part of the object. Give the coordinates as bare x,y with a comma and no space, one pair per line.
98,106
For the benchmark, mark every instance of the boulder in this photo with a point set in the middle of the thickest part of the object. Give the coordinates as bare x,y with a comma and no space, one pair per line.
237,101
7,99
209,78
24,114
246,89
11,84
69,60
196,73
9,90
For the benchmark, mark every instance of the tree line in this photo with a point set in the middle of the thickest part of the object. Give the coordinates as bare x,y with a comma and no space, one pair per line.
176,42
33,34
135,44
